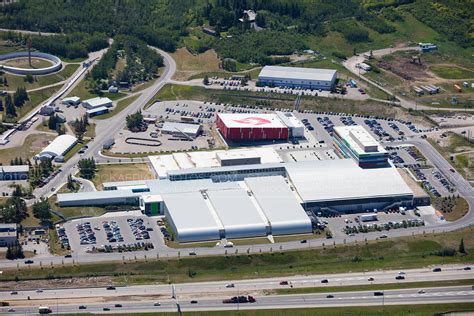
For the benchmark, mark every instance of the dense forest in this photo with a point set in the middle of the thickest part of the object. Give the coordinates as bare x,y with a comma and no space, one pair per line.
73,45
165,23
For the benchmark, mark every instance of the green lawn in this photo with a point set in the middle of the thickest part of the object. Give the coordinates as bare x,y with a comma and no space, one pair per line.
402,310
447,72
74,211
121,172
35,98
15,81
81,91
406,252
121,105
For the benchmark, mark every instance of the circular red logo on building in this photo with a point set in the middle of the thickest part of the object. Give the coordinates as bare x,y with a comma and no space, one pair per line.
253,121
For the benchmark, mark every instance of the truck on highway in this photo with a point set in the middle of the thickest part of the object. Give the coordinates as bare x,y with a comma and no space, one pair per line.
239,299
368,217
44,310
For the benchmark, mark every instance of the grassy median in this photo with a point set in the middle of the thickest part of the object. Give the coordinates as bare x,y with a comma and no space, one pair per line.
406,252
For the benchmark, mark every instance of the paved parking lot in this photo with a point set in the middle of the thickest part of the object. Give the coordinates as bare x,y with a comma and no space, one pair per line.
125,229
337,224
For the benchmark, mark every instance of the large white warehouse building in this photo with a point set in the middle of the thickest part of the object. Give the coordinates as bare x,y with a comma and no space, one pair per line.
297,77
58,147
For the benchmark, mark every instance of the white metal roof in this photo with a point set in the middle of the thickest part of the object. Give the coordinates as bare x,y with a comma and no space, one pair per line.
17,168
162,164
72,99
97,102
297,73
237,213
280,205
290,120
173,127
96,110
191,217
237,154
59,146
359,139
246,120
343,179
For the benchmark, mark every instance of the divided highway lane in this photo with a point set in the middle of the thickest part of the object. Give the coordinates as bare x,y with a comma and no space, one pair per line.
360,298
222,288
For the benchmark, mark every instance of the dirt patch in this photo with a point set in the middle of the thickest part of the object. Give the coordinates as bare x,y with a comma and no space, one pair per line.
405,67
56,283
188,64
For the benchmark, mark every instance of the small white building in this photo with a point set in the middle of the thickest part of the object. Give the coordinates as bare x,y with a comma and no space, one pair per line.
97,103
58,147
295,126
71,101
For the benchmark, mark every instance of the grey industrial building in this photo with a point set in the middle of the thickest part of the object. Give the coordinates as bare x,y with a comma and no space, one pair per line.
14,172
181,129
297,77
8,234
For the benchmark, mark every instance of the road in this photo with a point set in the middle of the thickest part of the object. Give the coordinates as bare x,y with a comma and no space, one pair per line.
107,128
220,288
351,65
436,295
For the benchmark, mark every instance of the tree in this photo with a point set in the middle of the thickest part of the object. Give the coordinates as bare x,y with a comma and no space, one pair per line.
42,210
87,168
5,82
135,121
1,106
70,183
461,247
28,78
9,106
53,122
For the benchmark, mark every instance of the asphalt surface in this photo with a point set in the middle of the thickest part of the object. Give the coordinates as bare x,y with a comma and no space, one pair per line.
361,298
222,289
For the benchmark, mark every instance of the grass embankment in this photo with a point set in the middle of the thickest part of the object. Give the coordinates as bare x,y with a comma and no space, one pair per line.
82,91
452,72
372,287
35,98
54,245
121,105
15,81
32,145
121,172
74,211
401,310
407,252
462,150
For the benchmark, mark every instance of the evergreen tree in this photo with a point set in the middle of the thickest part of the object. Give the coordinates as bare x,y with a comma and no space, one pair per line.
9,106
461,247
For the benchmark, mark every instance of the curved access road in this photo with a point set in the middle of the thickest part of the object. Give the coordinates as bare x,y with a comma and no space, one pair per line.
112,126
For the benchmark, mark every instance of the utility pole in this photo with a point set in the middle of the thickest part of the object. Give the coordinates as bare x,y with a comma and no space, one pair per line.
28,44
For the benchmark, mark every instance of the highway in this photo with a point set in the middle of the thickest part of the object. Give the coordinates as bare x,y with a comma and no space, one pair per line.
436,295
223,289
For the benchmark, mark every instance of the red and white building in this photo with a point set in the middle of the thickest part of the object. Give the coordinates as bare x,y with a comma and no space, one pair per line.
255,126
